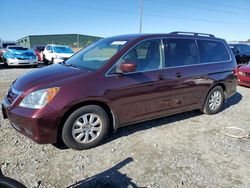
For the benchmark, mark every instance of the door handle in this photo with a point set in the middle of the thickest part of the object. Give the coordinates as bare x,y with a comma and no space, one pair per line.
161,77
178,74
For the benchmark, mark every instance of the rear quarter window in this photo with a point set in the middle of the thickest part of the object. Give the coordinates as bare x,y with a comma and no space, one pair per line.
212,51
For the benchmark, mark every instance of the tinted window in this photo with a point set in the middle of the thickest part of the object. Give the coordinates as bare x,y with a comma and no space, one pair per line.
147,55
8,44
212,51
180,52
17,48
245,49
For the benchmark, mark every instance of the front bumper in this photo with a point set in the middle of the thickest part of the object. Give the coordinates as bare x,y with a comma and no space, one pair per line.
58,60
38,125
18,62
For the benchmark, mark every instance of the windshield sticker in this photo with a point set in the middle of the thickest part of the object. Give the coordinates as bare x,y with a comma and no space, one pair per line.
118,42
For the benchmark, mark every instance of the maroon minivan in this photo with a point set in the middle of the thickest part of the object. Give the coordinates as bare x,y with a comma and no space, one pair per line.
119,81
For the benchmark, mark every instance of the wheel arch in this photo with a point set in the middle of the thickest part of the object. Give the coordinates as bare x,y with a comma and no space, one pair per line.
215,85
105,106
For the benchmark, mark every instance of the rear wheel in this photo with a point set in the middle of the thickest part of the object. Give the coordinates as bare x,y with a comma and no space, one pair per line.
214,101
85,128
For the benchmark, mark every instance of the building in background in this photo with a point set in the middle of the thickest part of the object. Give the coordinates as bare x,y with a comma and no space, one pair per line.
72,40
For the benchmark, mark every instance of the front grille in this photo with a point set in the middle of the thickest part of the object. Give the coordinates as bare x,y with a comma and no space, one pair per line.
247,74
22,58
247,82
12,95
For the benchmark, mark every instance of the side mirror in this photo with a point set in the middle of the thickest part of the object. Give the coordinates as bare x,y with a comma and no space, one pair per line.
50,51
128,67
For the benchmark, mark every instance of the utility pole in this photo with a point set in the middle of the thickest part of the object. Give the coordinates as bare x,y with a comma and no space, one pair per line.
78,41
141,14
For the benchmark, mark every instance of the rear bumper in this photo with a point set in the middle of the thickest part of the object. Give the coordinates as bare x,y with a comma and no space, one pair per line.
39,125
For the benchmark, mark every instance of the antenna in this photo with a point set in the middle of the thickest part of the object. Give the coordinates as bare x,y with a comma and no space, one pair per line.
141,14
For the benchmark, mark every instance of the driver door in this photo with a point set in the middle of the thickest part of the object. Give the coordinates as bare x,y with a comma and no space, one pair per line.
142,94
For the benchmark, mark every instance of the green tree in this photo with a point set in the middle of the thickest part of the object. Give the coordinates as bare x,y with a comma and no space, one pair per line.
248,40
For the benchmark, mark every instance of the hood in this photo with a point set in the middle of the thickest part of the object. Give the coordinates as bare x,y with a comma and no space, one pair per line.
22,54
43,77
65,55
245,68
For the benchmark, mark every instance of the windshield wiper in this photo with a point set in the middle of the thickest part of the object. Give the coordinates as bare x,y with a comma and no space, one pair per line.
71,65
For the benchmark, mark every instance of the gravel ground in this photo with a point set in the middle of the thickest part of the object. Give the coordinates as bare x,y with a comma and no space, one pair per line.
185,150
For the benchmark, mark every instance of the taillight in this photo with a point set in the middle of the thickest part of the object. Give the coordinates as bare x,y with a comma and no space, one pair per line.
235,71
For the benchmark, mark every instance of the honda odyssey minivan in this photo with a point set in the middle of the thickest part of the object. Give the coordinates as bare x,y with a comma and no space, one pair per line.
119,81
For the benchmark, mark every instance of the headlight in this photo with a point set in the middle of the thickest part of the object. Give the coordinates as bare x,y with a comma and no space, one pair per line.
59,57
38,99
242,73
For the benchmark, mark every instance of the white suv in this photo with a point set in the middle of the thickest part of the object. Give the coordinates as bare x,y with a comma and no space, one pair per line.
54,53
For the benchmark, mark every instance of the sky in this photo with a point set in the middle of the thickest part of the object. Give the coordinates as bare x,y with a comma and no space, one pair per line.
228,19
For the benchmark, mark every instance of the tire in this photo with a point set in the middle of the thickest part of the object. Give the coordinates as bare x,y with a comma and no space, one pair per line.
10,183
5,62
46,62
52,61
87,135
214,101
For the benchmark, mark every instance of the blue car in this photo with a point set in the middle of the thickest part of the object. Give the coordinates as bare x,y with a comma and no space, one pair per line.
19,56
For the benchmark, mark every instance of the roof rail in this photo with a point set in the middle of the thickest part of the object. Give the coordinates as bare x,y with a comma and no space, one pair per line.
191,33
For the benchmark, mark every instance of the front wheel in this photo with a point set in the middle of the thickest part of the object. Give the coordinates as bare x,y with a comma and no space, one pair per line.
85,128
214,101
7,182
5,62
46,62
52,61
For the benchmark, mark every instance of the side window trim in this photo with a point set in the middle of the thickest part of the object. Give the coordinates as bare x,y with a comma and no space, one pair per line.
109,72
196,41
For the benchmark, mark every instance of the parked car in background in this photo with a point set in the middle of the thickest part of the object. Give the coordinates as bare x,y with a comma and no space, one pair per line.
39,52
118,81
19,56
241,52
3,47
243,75
54,53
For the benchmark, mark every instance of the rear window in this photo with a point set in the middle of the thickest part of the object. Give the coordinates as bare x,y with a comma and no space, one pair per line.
212,51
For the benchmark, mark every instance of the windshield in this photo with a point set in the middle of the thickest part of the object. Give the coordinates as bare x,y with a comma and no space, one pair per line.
96,55
63,49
